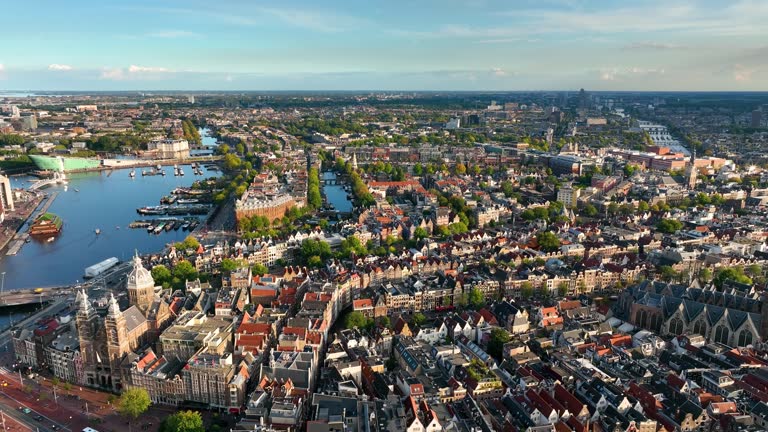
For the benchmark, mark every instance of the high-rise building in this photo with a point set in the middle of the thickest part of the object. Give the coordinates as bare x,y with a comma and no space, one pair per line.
757,119
6,193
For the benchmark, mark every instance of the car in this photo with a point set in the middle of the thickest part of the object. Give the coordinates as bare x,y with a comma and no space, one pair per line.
55,427
26,410
39,418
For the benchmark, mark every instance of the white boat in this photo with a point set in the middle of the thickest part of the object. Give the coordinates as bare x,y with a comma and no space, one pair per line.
50,239
98,231
133,173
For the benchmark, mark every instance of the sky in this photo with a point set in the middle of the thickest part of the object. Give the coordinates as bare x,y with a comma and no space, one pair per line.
503,45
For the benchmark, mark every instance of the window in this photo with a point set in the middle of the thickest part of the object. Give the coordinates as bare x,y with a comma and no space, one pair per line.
676,326
745,338
642,318
721,334
700,327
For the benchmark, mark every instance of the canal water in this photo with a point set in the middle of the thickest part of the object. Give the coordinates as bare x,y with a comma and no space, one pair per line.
335,193
106,200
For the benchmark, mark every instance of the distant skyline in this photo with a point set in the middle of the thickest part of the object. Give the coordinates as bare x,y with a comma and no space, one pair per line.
503,45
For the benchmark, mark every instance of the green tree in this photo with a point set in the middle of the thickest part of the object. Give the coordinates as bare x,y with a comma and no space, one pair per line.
183,421
419,319
133,403
562,289
420,233
496,342
352,245
476,298
460,169
590,210
669,226
735,274
667,273
548,241
259,269
705,275
526,290
355,319
161,274
184,271
228,265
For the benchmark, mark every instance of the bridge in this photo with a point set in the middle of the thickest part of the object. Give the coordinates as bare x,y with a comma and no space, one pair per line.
58,178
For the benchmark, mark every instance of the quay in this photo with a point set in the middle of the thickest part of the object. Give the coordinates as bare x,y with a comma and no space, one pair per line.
21,237
9,229
116,164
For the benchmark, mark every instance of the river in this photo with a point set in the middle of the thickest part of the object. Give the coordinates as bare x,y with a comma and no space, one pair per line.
335,194
106,200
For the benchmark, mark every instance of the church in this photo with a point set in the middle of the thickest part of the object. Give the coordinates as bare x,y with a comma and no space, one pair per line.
106,340
732,317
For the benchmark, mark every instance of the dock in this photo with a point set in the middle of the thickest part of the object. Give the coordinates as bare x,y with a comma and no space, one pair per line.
18,240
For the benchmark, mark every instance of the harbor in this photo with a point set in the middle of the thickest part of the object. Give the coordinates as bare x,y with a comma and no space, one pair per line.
105,201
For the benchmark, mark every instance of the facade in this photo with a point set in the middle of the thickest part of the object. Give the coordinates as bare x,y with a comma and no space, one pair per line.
106,341
65,164
6,194
168,149
674,310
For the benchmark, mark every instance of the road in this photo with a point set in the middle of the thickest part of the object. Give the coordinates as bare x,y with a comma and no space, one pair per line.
54,308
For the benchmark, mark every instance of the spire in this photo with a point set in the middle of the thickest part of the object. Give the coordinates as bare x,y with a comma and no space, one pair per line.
113,308
84,305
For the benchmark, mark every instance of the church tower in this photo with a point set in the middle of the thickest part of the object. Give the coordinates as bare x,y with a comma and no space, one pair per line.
87,322
117,337
140,286
354,161
693,173
117,334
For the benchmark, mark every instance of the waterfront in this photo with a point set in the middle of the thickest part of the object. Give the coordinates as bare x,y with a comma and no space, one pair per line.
106,200
335,193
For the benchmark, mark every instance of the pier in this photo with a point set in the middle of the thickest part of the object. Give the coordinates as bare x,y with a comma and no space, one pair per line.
20,238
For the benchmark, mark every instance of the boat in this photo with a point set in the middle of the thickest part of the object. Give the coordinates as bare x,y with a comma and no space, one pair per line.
51,239
47,224
133,173
65,164
117,227
185,226
150,228
98,231
77,190
181,172
177,225
159,227
188,201
162,173
169,225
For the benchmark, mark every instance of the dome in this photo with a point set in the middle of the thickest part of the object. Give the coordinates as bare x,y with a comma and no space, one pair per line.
139,277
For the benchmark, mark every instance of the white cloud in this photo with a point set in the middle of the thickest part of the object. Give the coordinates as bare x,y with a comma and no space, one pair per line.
499,72
742,73
650,45
2,67
59,67
115,74
134,72
145,69
620,74
173,34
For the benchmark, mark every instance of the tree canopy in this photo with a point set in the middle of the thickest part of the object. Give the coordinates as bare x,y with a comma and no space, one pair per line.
183,421
133,403
548,241
669,226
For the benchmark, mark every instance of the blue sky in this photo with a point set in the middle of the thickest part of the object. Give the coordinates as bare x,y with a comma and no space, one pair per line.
387,45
